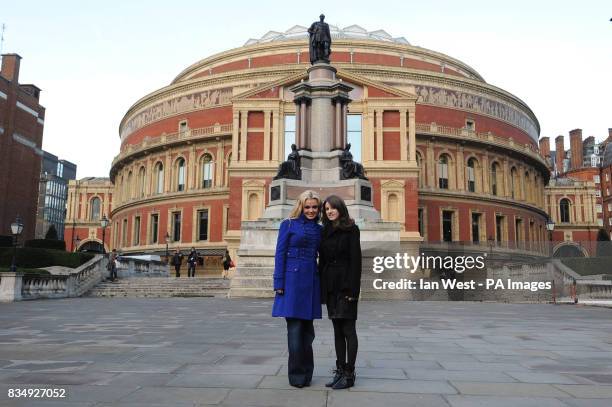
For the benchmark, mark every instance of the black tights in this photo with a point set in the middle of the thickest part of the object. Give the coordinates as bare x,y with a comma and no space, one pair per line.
345,340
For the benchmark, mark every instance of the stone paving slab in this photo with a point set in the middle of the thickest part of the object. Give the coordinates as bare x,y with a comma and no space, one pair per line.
212,351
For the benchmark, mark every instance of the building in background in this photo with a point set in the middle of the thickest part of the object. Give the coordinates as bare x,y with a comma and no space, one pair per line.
89,200
53,194
21,134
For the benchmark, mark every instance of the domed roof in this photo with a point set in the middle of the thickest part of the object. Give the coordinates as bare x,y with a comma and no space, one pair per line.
352,31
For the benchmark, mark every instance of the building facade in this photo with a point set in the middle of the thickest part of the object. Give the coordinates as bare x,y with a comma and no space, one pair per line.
197,156
21,133
53,194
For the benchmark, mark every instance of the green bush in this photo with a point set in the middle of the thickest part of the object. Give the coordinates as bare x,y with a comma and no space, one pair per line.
587,266
46,244
29,257
6,241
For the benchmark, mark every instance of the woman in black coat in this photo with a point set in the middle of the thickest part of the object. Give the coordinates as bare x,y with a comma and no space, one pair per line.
340,269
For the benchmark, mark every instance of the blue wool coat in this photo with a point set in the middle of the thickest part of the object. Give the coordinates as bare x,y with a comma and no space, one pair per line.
295,270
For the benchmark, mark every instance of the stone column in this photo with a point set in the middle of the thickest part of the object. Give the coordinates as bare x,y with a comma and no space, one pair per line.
298,129
460,169
403,135
277,137
486,185
368,151
431,166
167,173
412,134
193,165
266,152
244,118
235,134
219,165
379,134
148,177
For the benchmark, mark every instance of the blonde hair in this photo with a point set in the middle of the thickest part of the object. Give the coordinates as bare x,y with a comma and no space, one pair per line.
298,208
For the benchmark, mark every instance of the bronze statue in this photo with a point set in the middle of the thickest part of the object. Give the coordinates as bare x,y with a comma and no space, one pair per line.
350,168
291,168
320,41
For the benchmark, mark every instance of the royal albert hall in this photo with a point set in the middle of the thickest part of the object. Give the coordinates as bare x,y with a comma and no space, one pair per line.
197,156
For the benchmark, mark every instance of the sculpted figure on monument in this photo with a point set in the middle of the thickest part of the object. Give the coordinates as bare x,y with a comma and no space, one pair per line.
291,168
320,41
350,168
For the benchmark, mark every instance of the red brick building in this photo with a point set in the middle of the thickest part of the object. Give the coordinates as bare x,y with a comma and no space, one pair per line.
197,156
21,132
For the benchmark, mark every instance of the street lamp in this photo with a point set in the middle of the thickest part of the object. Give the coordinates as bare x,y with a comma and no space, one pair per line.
167,240
550,226
104,224
16,229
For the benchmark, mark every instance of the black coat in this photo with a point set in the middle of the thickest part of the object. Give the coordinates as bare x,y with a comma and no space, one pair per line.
340,268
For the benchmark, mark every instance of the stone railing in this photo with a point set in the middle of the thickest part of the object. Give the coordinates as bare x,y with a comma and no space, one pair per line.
488,137
571,285
133,267
186,135
19,286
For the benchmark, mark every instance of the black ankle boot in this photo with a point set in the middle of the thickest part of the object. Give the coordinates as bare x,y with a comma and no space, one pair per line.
337,374
347,380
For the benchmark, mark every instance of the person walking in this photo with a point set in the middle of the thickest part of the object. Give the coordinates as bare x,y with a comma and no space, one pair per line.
177,260
192,260
297,286
112,265
227,264
340,269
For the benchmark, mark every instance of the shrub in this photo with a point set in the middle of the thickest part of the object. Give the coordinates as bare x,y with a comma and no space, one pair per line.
6,241
52,233
46,244
29,257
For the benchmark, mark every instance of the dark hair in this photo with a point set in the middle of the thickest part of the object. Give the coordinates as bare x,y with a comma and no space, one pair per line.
344,221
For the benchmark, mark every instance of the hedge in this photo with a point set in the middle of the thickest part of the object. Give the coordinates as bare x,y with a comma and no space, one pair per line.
587,266
33,258
6,241
46,244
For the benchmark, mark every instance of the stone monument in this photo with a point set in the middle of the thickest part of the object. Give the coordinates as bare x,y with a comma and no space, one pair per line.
325,166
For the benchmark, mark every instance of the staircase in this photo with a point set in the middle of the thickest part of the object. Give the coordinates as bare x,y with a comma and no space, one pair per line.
162,287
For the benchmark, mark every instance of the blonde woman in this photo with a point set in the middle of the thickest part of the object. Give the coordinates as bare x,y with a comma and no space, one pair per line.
296,283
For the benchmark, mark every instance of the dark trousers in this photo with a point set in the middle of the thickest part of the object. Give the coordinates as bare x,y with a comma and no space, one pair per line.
191,270
177,268
300,335
345,341
113,273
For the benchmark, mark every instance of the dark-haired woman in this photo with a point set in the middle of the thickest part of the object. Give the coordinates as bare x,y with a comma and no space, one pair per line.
340,269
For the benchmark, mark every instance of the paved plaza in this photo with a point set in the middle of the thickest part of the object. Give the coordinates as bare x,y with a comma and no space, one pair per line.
213,351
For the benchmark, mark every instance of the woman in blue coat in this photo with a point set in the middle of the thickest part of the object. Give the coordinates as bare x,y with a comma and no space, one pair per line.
297,286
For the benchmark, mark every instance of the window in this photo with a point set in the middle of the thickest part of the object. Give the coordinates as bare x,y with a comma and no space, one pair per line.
159,178
60,170
180,174
610,207
124,233
499,228
141,182
207,171
513,181
470,125
518,231
443,172
94,213
203,224
183,127
476,227
136,231
290,134
564,210
596,179
176,226
598,208
154,228
471,175
598,193
607,177
447,226
353,126
421,224
494,171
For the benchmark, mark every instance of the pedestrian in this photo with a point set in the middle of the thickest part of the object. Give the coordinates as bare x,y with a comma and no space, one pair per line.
340,269
192,259
296,284
177,260
112,265
227,264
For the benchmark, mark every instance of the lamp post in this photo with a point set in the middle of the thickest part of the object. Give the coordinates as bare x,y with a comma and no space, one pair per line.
550,226
16,229
167,240
104,224
77,241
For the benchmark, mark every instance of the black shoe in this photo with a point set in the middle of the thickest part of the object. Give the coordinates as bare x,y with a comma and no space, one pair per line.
337,374
299,386
347,380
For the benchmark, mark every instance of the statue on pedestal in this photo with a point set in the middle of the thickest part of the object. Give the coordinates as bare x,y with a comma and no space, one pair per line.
350,168
320,41
290,169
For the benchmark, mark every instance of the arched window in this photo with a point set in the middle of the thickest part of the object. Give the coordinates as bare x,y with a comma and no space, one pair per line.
564,210
494,183
159,178
180,174
226,174
94,211
471,175
207,170
394,208
253,207
127,192
527,195
443,172
513,181
141,182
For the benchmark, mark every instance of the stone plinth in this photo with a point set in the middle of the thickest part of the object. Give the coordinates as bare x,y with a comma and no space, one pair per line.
10,286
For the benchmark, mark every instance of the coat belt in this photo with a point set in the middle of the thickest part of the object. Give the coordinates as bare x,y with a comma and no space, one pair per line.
301,252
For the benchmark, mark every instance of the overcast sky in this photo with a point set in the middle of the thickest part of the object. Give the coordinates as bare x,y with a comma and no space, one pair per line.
93,60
